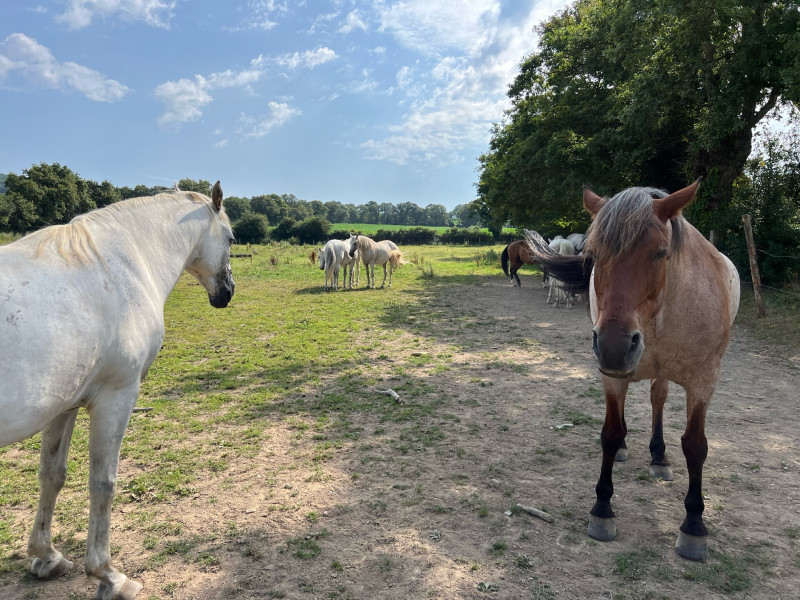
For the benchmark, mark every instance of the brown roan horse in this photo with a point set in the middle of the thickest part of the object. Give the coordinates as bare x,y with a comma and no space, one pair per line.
662,300
515,255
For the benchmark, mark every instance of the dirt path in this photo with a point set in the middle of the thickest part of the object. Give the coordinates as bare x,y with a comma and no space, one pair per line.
422,509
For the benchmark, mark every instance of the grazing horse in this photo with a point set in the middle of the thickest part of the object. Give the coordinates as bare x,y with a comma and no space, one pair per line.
334,255
662,300
82,309
513,257
376,253
565,248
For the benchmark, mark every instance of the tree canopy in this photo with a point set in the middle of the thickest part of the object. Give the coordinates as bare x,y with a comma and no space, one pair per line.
632,92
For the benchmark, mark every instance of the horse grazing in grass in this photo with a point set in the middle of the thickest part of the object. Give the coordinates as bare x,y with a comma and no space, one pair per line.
333,256
376,253
662,300
513,257
82,309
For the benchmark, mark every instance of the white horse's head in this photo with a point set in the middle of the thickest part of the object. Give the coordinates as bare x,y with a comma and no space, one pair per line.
321,257
353,244
210,262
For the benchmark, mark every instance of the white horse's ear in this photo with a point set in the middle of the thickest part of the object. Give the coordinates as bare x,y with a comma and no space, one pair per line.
216,196
592,202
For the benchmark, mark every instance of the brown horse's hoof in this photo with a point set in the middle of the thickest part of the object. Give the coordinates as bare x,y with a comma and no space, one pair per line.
602,529
693,547
128,591
622,455
52,569
661,472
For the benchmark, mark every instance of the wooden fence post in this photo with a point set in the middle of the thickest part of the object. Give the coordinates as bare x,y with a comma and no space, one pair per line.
761,311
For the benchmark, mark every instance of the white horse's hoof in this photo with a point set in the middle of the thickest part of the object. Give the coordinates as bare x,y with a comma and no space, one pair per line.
693,547
622,455
661,472
126,591
51,569
602,529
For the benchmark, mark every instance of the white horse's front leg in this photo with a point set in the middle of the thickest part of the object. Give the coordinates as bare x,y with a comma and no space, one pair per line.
108,417
391,270
371,276
383,283
49,563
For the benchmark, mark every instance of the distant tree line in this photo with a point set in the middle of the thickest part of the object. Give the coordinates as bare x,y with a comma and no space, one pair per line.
49,194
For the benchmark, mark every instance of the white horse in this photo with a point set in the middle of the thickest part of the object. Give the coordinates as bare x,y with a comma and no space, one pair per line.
578,240
376,253
334,255
565,248
82,320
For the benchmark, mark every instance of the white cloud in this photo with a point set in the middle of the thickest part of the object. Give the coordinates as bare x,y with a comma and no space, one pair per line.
433,27
454,101
308,59
80,13
352,22
24,56
260,15
279,113
185,98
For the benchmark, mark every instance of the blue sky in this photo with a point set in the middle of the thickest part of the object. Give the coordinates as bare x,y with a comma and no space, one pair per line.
345,100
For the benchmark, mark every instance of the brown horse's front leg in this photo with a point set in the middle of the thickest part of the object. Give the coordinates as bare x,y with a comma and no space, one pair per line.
602,525
659,465
693,536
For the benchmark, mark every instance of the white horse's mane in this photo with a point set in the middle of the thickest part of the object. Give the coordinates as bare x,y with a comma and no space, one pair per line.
73,241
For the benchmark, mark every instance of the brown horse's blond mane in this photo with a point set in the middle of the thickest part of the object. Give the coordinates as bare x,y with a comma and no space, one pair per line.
622,222
73,241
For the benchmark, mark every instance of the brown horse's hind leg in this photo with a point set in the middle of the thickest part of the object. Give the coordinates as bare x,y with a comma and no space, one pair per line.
693,536
602,524
659,465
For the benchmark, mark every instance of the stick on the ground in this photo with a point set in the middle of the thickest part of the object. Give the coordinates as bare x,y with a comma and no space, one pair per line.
391,393
536,513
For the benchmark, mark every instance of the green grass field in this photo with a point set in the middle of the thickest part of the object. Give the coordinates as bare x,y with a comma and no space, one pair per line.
230,370
369,229
284,356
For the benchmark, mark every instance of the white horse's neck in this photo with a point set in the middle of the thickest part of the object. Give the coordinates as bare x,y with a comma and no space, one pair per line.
162,233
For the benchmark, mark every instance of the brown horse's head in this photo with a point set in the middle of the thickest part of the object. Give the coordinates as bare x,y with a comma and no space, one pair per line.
632,238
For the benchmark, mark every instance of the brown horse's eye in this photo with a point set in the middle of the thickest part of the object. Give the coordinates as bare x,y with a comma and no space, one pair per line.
660,254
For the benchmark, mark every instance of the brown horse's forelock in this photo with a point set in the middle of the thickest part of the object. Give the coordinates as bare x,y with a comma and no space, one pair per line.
621,223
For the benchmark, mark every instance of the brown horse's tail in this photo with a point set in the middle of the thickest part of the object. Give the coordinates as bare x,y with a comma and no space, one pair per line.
396,259
572,272
504,261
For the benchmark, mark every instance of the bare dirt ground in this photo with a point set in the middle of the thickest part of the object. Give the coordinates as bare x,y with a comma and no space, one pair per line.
415,510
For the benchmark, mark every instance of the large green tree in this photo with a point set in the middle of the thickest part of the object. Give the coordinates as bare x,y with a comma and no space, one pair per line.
44,195
633,92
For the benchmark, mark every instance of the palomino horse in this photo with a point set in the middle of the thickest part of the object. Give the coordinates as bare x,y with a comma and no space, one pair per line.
376,253
334,255
82,320
662,300
513,257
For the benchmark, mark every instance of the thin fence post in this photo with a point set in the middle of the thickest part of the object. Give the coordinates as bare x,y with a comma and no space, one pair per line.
761,311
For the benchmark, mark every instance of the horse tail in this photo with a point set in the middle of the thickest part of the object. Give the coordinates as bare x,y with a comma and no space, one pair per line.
504,261
572,272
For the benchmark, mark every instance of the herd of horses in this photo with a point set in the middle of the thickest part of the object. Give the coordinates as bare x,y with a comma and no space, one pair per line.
339,255
82,320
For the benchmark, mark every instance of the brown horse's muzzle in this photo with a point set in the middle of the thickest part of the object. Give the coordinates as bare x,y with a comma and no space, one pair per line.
617,352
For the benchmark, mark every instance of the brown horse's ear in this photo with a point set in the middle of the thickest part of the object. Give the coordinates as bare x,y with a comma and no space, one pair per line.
592,202
216,196
671,206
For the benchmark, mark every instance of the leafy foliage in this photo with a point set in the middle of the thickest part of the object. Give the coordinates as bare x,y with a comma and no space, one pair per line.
628,92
